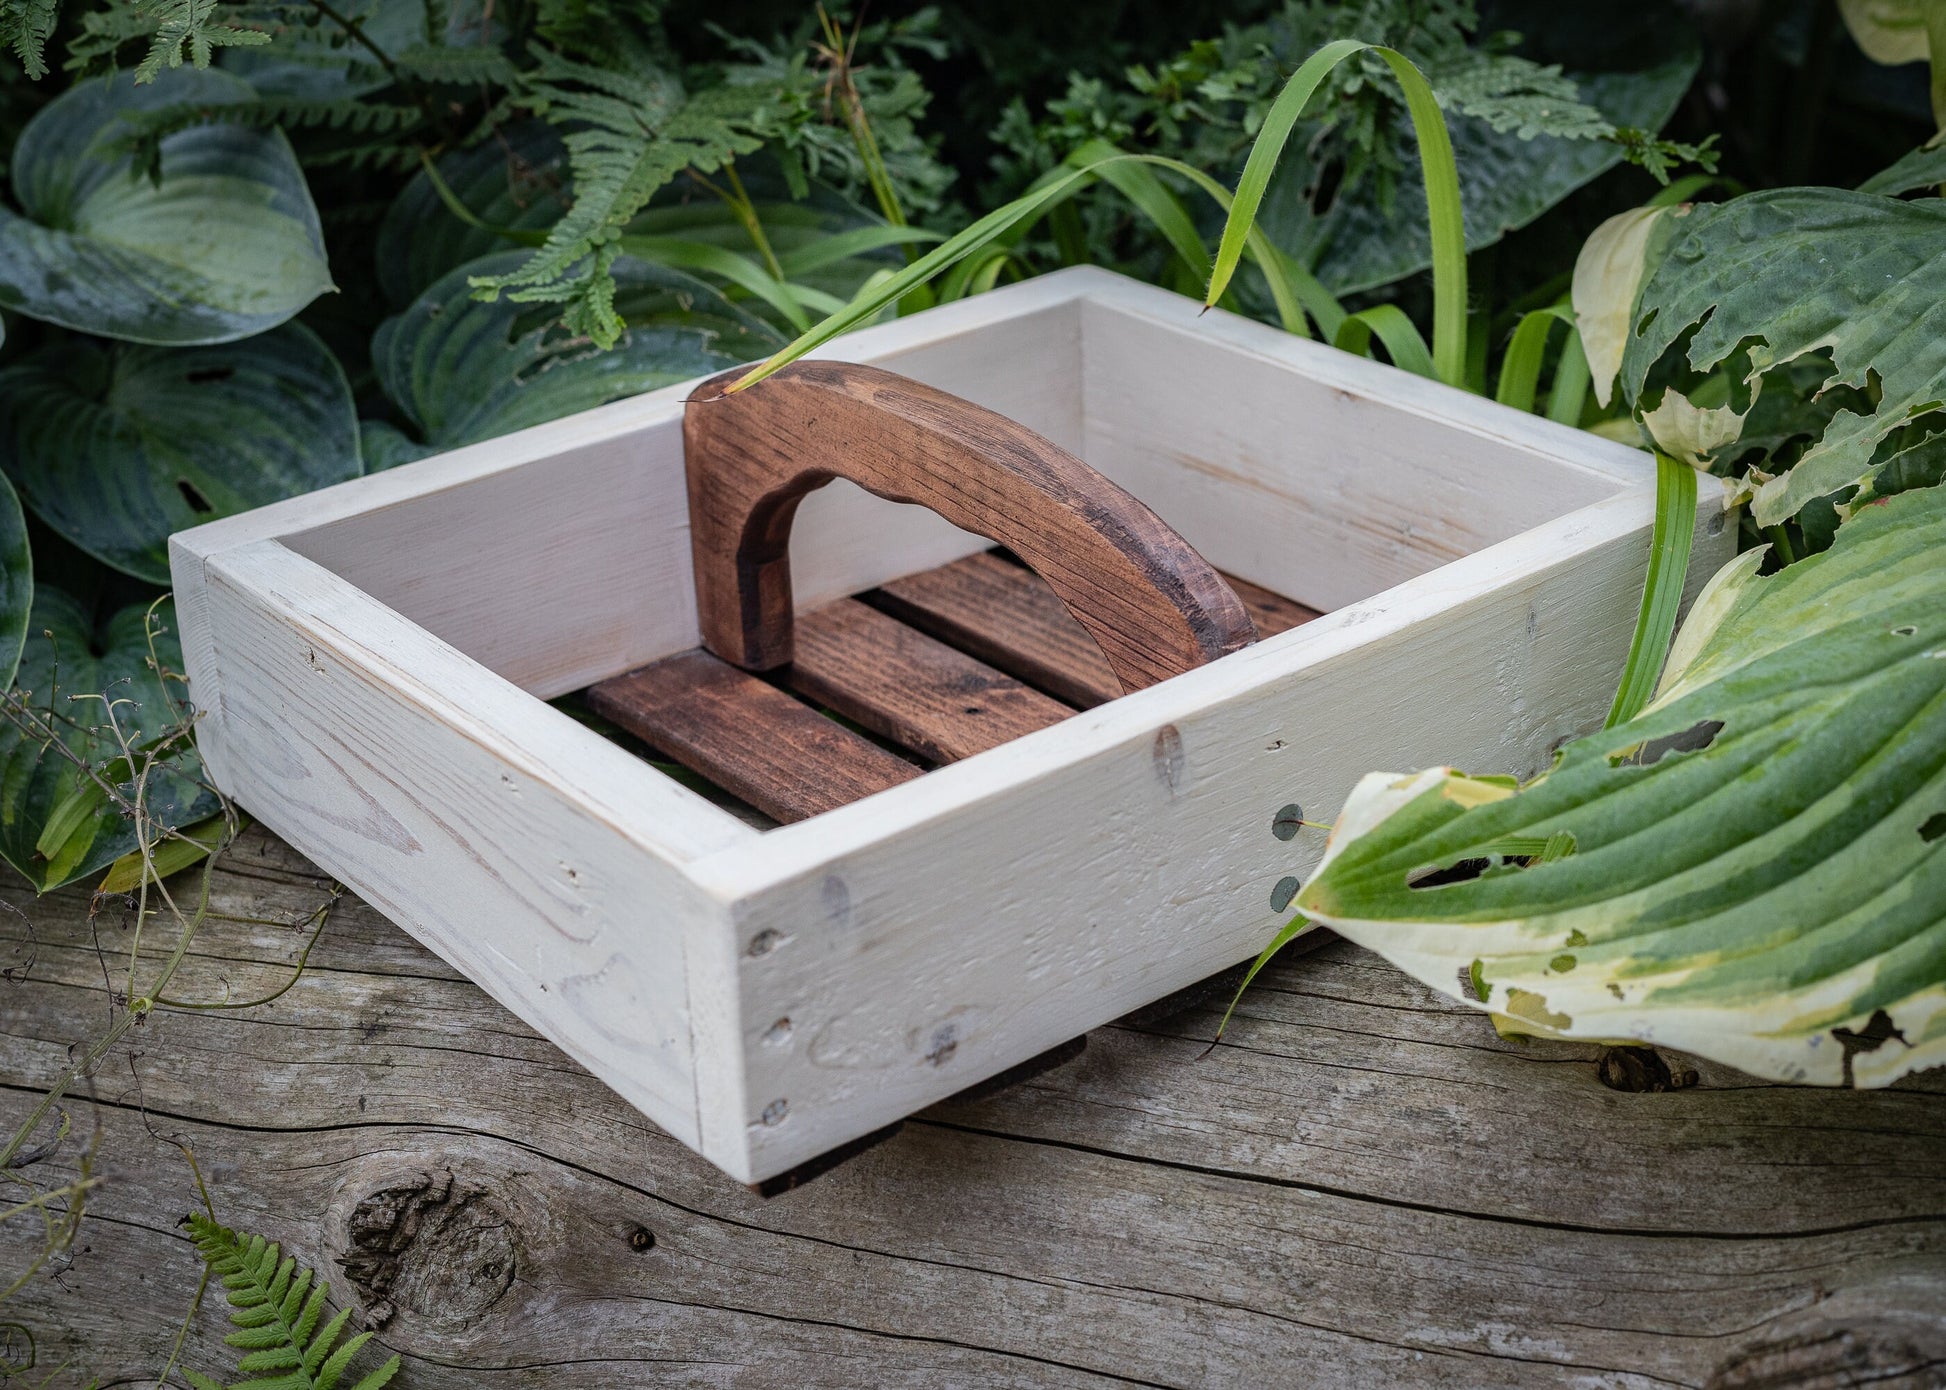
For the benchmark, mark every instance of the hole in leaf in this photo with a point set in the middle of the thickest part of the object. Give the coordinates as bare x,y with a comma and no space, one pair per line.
1907,631
197,502
1694,739
1642,327
1934,828
202,376
1465,871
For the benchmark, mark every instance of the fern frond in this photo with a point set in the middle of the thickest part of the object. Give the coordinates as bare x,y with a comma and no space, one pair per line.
169,27
462,67
139,134
629,133
25,27
275,1305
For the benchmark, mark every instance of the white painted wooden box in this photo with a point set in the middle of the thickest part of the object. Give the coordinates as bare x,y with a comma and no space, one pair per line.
372,663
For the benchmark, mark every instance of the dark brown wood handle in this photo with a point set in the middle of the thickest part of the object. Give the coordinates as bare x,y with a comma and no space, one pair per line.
1155,606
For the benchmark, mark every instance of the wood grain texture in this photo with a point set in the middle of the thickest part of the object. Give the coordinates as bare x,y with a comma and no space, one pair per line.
1007,616
918,692
747,736
998,905
1152,604
952,925
1361,1181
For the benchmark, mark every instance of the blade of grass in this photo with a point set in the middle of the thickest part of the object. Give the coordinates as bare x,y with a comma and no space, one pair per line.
1403,342
1003,225
1568,397
1442,192
1655,624
1520,369
841,246
1289,932
733,266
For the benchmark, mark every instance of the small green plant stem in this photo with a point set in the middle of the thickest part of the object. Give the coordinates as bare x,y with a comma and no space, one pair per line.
1781,538
746,213
132,1012
356,29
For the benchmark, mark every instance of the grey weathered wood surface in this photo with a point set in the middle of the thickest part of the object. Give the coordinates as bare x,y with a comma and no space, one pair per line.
1361,1186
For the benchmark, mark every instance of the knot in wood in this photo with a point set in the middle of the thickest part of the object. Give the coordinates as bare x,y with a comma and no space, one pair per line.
432,1245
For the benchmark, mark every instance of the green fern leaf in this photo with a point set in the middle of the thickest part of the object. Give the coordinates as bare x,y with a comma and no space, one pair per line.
275,1307
457,66
320,1349
333,1369
186,24
629,132
382,1376
25,27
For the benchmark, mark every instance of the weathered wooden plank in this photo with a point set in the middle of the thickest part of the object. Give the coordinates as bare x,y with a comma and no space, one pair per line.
1003,614
1364,1180
747,736
913,689
1008,617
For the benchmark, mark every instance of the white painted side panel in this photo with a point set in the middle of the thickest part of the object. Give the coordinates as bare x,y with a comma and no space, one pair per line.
941,931
501,833
1323,488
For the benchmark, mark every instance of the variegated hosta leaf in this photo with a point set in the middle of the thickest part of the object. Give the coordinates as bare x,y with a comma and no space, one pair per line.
1792,272
55,827
227,244
116,445
1753,870
463,370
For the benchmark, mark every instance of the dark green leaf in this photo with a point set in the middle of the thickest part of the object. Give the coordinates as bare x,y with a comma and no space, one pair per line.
1363,239
516,181
463,370
117,445
226,245
16,581
67,674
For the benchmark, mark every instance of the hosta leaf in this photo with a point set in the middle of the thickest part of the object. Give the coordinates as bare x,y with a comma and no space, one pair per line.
463,370
1361,240
16,583
226,245
517,181
1758,872
65,669
1796,271
1925,167
116,445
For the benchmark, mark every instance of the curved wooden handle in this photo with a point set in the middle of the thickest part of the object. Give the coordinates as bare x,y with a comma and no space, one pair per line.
1155,606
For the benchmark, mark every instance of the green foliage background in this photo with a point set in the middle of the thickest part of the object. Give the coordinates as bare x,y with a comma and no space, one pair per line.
250,248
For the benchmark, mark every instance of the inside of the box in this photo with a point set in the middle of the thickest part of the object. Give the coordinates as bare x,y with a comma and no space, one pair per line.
1309,484
918,672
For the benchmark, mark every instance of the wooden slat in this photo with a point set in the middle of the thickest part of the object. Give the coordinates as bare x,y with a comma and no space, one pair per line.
1006,616
1272,613
1003,614
913,689
747,736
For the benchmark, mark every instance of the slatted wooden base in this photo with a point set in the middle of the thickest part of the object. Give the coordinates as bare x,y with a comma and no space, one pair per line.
927,670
